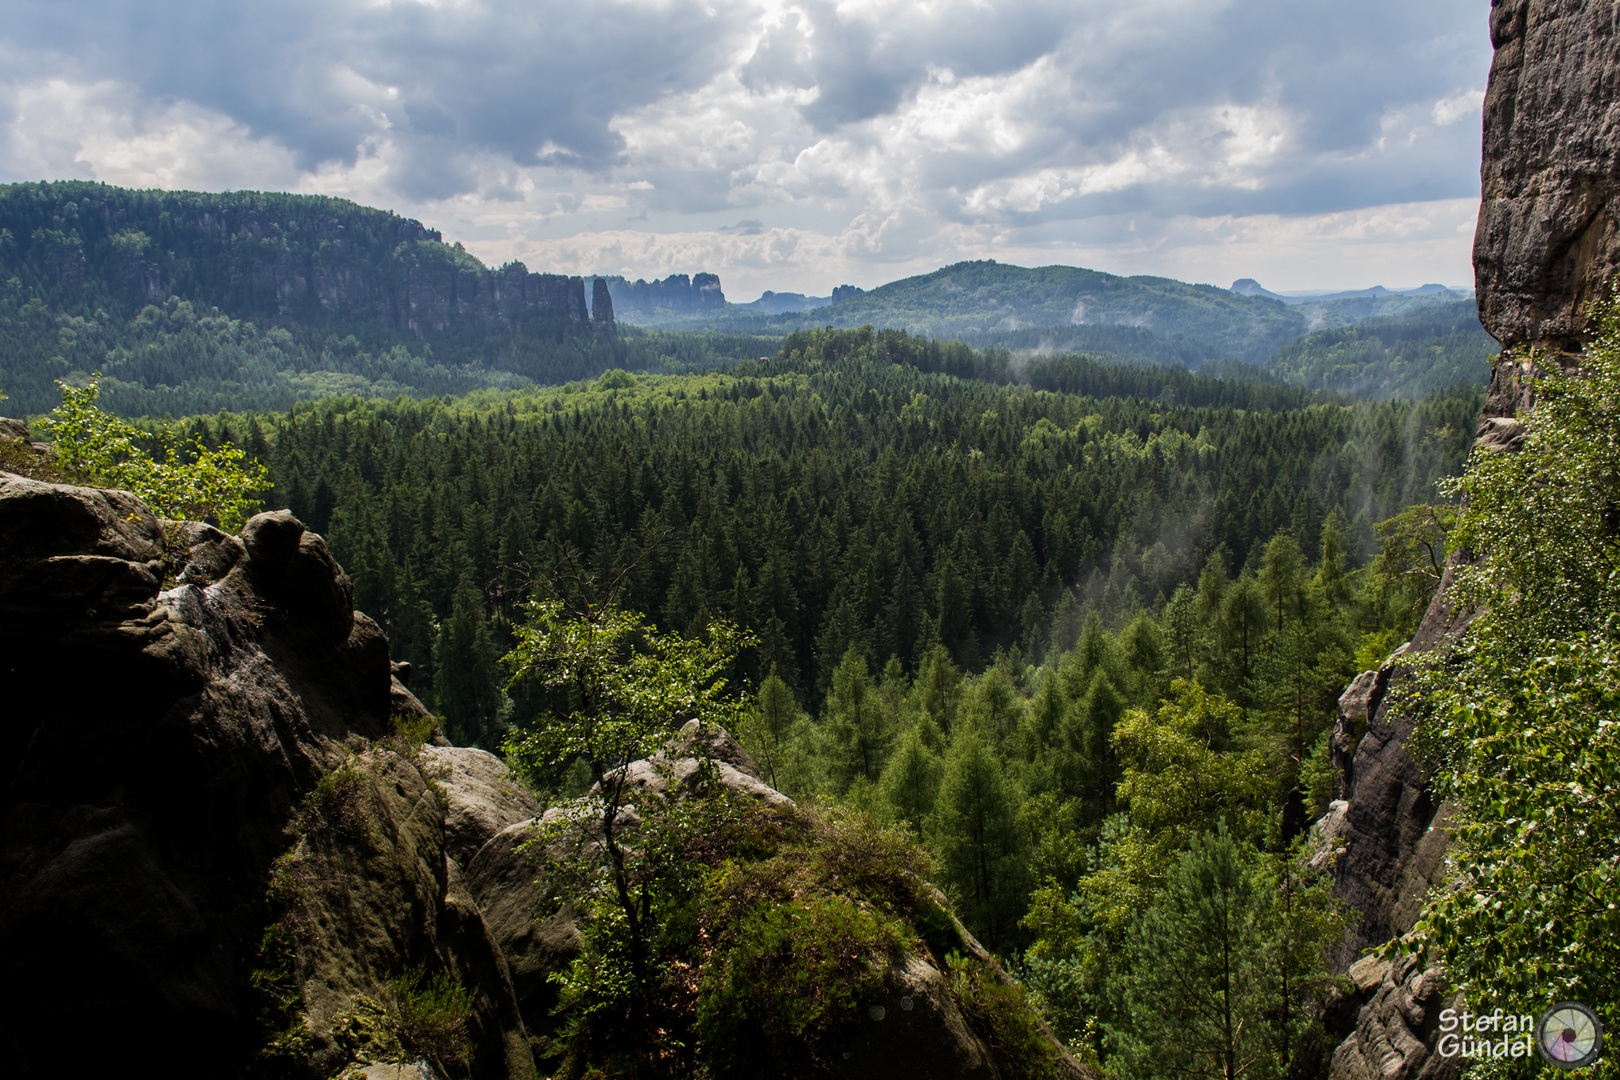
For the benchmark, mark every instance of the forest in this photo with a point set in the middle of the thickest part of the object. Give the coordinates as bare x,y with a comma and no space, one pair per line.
1067,627
1003,618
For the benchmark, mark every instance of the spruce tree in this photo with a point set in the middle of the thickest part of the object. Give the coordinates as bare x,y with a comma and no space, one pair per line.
977,835
910,781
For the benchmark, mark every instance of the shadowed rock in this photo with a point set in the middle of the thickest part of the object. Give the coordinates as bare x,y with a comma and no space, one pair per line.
158,746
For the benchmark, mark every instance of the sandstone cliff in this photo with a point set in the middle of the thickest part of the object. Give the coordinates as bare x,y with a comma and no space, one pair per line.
1547,244
676,294
259,255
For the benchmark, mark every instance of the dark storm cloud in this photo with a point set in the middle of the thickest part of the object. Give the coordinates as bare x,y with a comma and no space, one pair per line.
532,81
1345,89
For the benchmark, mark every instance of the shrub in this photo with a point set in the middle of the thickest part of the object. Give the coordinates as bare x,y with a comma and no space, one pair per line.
189,483
428,1014
795,974
1001,1015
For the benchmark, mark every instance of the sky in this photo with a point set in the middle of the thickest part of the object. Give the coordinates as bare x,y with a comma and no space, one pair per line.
795,146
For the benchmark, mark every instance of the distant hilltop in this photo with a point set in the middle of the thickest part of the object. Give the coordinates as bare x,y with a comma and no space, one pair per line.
701,294
1250,287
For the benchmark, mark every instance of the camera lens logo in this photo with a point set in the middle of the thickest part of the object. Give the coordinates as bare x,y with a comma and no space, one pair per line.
1569,1035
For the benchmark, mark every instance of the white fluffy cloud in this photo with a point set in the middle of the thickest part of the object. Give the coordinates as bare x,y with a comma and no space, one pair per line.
796,144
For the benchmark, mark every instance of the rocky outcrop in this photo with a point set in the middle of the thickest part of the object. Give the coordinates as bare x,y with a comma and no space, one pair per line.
170,756
482,797
916,1025
1390,835
256,255
676,294
1547,244
602,309
1397,1023
1548,239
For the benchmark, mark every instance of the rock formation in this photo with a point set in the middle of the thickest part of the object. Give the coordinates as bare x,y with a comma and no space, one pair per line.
255,255
601,308
677,294
169,757
918,1026
1548,240
1547,244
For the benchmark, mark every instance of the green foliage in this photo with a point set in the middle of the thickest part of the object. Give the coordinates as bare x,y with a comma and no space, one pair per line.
912,777
1181,776
1518,715
621,684
1519,712
859,729
1535,833
428,1015
1000,1013
833,500
1214,968
278,999
976,831
193,482
795,975
1409,355
338,800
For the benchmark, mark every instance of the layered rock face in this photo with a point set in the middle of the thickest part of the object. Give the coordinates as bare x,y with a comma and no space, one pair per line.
254,255
1548,240
677,293
1547,245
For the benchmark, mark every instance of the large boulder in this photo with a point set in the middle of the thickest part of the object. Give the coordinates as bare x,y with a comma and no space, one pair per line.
161,749
482,797
916,1024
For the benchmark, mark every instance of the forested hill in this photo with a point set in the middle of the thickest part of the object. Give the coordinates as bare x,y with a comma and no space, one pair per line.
975,299
1405,356
256,298
836,495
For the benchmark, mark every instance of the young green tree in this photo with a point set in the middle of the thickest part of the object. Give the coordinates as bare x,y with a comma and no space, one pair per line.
911,779
1181,776
977,835
856,722
619,687
766,726
192,482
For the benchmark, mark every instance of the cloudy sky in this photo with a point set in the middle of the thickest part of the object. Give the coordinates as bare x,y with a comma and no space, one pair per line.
798,144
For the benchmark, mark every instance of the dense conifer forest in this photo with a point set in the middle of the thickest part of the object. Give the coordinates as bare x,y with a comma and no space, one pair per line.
1066,622
837,495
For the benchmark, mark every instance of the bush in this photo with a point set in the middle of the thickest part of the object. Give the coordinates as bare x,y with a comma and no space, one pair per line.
1001,1015
189,483
795,974
429,1014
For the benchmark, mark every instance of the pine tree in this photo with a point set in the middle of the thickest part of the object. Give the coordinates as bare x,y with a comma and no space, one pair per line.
1216,967
910,781
856,722
468,682
976,832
